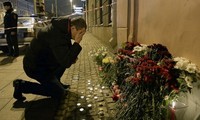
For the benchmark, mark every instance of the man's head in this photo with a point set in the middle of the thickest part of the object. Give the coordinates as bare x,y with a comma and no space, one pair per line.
7,5
78,25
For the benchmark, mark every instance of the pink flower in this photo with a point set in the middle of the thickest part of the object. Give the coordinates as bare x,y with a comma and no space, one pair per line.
100,68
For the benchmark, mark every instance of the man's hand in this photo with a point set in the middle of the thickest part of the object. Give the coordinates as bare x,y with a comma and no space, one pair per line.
79,35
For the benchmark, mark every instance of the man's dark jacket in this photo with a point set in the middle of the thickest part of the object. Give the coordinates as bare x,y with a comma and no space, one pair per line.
52,48
10,21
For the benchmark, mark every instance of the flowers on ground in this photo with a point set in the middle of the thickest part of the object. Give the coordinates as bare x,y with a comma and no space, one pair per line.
106,65
144,78
99,54
107,60
189,72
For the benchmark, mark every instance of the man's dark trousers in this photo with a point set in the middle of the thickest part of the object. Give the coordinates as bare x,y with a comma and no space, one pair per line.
12,42
49,84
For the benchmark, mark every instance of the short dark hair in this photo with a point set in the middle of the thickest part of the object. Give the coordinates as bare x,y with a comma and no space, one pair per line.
78,23
7,4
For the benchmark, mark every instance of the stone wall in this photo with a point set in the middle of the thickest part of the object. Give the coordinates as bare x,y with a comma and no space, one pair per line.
175,24
104,34
99,21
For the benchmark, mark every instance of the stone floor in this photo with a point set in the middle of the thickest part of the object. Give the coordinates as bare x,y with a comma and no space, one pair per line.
85,100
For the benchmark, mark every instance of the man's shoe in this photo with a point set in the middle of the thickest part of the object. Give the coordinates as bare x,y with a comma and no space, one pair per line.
17,90
66,86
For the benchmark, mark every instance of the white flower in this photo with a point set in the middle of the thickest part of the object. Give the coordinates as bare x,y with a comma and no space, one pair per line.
181,63
189,85
191,68
176,59
137,48
144,46
96,54
181,59
166,97
104,53
189,80
140,48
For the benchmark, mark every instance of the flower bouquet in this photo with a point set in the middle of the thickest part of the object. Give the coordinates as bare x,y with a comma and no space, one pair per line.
145,79
106,65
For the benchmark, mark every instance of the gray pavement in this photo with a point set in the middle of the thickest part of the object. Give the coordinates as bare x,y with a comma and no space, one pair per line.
85,100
